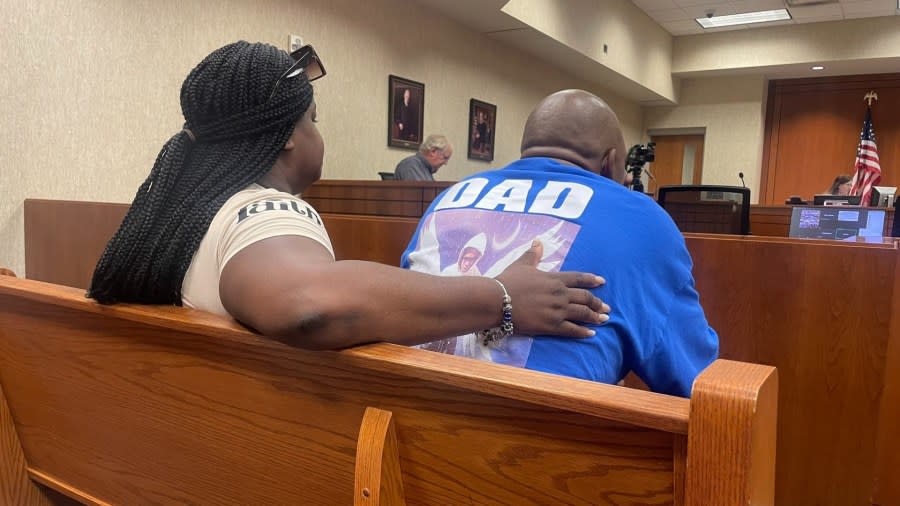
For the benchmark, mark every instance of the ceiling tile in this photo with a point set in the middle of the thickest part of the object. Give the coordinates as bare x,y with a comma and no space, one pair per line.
692,3
869,6
873,14
699,11
668,15
836,17
756,5
655,5
817,11
685,27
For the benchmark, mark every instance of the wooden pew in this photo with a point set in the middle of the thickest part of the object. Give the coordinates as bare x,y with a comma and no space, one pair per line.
137,404
824,313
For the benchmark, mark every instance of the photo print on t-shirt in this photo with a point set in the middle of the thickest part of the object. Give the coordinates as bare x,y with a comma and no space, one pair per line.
475,242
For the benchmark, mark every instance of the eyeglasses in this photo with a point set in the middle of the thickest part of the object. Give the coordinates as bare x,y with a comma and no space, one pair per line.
442,155
305,60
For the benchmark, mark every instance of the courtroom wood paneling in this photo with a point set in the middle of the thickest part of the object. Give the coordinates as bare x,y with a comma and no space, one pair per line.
815,309
770,220
384,198
887,472
720,216
373,238
60,249
812,131
821,312
64,239
15,486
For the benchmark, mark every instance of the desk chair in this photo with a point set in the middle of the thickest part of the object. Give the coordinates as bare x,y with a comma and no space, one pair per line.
387,176
895,229
709,209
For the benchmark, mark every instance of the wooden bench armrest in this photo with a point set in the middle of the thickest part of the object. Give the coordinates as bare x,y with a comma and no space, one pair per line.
734,410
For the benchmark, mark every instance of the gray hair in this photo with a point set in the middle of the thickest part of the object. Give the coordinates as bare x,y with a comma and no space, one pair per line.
434,141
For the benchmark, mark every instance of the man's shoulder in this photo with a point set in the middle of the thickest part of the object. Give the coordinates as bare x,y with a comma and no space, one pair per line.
410,162
409,159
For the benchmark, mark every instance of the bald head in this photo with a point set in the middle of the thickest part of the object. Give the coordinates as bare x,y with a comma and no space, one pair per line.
577,127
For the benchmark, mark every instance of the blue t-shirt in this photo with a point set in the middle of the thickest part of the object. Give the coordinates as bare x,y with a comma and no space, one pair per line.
588,223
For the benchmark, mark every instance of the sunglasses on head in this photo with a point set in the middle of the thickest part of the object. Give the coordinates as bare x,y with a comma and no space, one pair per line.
305,61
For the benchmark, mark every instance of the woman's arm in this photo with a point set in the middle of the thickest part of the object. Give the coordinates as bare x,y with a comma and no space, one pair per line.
290,288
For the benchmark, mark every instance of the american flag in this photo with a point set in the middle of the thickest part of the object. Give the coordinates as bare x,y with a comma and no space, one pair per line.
868,170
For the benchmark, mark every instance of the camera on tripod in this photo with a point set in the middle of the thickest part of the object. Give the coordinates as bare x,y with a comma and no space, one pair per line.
638,156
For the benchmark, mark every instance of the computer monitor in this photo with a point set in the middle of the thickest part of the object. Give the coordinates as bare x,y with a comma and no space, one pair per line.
883,196
828,199
840,223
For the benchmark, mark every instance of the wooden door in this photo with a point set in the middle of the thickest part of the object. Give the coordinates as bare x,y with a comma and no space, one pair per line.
679,160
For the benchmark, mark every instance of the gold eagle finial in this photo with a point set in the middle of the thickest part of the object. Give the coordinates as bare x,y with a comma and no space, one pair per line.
870,96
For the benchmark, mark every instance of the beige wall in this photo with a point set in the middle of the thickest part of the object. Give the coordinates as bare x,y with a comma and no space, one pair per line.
89,90
840,45
638,48
732,111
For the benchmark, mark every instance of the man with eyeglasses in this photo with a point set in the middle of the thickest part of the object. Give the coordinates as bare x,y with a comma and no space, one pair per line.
433,154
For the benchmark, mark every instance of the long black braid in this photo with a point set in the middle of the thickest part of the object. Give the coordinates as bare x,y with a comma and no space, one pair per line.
232,137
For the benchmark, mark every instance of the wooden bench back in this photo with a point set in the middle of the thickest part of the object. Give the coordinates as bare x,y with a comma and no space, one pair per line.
137,404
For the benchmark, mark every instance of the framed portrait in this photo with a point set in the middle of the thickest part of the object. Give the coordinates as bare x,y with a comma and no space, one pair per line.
406,111
482,125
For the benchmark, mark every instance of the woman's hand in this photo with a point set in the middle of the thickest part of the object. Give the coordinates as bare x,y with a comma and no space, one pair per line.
552,303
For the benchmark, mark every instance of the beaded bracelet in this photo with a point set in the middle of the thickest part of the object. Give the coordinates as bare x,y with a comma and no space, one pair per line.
505,329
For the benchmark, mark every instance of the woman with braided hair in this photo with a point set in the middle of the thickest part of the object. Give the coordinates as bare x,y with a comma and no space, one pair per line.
218,225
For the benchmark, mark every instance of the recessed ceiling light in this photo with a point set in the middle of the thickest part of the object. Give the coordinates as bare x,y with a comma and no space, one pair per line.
745,18
818,67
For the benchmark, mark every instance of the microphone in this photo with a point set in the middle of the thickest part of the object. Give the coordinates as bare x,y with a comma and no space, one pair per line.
741,175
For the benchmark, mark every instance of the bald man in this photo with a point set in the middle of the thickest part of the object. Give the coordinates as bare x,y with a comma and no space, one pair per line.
568,191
